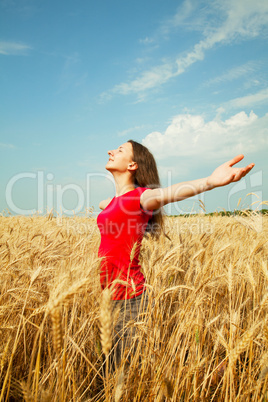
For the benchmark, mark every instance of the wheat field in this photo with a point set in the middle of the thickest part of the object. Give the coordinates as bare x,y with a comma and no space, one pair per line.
204,337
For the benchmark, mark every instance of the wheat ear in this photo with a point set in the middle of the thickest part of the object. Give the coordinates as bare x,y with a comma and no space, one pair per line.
106,321
57,329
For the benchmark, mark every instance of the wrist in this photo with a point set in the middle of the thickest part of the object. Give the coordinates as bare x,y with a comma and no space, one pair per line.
209,184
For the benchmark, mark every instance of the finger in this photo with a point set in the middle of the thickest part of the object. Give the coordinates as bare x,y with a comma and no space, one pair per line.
236,159
244,171
239,173
251,166
248,168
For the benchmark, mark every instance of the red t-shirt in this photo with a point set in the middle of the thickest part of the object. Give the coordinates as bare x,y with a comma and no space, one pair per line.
122,224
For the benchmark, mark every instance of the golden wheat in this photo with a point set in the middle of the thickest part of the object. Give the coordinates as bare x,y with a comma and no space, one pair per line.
204,336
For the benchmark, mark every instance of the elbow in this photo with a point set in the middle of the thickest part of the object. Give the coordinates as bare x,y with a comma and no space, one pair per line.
159,201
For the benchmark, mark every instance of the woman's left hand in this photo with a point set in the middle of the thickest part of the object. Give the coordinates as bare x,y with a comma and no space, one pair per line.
226,173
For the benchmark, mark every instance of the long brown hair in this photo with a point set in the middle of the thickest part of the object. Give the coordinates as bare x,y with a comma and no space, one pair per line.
147,176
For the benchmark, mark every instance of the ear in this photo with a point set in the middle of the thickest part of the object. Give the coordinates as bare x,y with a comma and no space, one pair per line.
133,166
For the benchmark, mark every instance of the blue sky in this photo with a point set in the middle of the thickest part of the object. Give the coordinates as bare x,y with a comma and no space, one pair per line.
188,79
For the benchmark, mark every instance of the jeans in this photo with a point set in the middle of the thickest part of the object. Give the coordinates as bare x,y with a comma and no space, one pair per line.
126,313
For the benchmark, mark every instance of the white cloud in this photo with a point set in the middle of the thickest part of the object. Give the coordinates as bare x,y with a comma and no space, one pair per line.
233,74
190,136
146,41
13,48
130,130
149,79
141,60
249,100
223,22
72,75
2,145
184,12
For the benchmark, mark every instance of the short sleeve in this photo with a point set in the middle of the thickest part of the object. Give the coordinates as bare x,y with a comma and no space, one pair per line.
147,212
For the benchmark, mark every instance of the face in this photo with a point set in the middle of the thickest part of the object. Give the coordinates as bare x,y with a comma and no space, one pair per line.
121,159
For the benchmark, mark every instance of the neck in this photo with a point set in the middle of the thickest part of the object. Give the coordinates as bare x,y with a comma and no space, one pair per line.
123,184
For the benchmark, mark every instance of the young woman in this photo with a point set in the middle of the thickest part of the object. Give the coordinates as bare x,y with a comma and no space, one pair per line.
135,209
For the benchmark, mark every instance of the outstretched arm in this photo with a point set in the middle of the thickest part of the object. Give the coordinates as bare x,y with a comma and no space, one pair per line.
223,175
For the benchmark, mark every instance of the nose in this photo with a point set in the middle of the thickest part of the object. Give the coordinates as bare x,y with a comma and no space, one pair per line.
110,153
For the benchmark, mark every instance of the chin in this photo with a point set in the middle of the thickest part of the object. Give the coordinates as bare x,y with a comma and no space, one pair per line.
107,167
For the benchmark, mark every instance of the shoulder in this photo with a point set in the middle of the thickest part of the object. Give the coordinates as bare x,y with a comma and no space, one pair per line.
151,199
141,190
103,204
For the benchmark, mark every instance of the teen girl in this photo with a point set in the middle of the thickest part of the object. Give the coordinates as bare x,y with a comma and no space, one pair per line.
136,208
